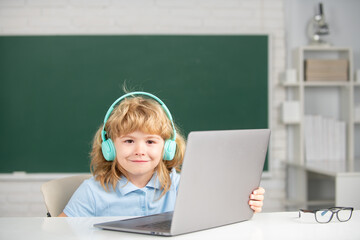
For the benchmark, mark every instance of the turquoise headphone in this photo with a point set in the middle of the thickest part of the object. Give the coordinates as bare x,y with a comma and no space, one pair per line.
107,145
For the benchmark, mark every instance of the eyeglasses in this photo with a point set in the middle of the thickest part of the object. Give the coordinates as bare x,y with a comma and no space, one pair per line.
343,214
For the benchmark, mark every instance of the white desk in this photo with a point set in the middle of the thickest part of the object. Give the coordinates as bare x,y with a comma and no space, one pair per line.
282,225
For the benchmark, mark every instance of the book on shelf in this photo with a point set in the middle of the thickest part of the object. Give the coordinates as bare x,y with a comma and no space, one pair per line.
326,70
325,139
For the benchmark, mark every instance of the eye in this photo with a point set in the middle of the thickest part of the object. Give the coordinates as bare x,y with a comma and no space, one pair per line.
150,141
128,141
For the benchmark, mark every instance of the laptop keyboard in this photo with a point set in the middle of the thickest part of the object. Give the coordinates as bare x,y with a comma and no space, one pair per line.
164,225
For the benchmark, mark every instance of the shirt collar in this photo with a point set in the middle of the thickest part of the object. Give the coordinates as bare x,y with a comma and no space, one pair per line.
124,186
154,182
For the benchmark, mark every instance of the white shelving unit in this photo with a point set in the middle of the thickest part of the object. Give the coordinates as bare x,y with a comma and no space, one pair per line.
319,184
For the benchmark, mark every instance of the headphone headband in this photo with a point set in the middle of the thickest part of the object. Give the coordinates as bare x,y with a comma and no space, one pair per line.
111,108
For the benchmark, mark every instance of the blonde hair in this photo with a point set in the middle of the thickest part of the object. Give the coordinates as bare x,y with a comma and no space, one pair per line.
135,114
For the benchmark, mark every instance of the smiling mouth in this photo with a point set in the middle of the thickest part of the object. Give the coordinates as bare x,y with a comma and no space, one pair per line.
139,161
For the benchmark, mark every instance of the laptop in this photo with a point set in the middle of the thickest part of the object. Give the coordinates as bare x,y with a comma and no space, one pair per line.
219,172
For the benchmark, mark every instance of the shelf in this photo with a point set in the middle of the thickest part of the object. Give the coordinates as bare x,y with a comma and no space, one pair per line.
330,168
327,84
325,48
327,168
291,123
321,84
296,84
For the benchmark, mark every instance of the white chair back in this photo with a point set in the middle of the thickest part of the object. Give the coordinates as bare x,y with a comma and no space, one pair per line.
58,192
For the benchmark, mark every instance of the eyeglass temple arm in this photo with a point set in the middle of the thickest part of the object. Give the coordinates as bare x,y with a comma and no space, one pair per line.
307,211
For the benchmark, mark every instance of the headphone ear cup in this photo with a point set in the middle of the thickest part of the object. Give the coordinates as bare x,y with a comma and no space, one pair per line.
169,149
108,150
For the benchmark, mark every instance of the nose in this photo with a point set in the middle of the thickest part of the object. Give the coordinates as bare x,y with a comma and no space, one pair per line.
140,149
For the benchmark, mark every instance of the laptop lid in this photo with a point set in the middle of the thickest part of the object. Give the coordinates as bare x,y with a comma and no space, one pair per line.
220,170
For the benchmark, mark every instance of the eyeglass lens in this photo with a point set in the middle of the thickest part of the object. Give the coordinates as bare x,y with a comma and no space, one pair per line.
325,215
344,215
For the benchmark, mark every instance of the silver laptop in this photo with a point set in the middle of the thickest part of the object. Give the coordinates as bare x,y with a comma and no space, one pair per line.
220,170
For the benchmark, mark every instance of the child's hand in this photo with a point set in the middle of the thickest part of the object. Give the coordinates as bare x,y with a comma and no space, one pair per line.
256,199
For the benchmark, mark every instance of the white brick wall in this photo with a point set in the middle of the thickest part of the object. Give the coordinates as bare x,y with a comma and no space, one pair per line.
20,196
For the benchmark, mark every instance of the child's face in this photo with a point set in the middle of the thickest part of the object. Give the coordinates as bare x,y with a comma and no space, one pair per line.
139,154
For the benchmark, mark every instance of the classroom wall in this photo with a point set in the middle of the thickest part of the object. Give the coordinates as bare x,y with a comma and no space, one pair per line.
20,193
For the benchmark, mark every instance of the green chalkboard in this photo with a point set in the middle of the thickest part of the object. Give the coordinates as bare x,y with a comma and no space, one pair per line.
55,90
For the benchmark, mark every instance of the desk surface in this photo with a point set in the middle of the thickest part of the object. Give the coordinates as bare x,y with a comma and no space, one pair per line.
281,225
